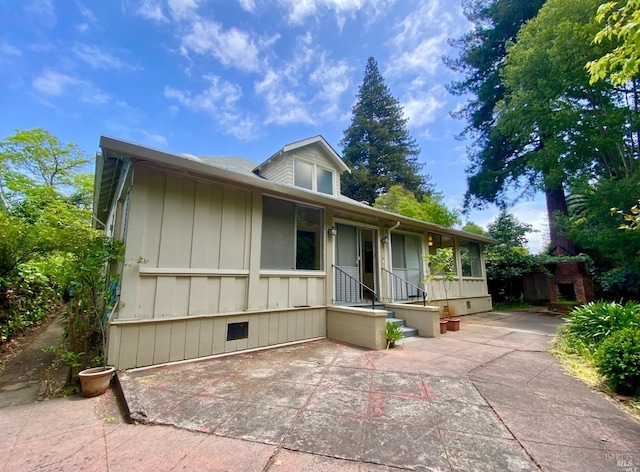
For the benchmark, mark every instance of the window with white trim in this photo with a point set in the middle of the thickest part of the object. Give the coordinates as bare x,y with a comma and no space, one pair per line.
312,177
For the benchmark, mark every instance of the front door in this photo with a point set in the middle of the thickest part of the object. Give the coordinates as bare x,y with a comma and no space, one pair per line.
356,262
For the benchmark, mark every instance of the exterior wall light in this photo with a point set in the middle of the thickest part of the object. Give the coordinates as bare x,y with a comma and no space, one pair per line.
332,231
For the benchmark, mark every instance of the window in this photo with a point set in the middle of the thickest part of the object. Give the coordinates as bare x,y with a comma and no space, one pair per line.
325,181
439,241
303,174
291,236
312,177
470,259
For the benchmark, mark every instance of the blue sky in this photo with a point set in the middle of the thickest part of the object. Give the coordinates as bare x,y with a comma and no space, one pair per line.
234,77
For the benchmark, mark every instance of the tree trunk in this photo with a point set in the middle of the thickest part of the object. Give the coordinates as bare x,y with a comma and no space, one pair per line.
560,245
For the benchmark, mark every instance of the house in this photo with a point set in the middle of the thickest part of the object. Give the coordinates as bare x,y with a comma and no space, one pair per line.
223,255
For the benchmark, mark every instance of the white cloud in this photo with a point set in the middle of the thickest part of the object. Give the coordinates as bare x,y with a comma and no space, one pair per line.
90,19
231,47
248,5
151,10
220,94
55,84
183,9
420,23
219,101
99,58
9,50
153,139
333,80
42,11
421,39
421,107
425,57
300,10
283,104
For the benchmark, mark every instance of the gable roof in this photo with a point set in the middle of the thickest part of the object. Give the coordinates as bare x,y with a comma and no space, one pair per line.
232,163
109,164
316,140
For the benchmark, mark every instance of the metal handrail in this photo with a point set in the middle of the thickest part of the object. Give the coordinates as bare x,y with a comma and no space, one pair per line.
397,281
353,283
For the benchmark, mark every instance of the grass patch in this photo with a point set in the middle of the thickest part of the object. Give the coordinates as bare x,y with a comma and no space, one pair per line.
579,361
506,306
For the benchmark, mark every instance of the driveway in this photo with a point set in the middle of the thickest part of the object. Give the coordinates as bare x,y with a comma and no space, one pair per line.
487,397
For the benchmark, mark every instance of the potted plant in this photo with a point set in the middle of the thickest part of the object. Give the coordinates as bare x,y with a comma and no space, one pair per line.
393,333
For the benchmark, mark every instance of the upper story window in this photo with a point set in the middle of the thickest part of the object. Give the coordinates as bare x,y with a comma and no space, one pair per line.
312,177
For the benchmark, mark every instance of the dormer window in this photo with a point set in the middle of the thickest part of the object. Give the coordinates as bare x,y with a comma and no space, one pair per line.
312,177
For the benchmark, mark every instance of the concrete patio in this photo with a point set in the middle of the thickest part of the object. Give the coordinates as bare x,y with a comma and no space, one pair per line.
485,398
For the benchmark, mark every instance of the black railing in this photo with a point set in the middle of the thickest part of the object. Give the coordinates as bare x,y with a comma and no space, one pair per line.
351,290
403,289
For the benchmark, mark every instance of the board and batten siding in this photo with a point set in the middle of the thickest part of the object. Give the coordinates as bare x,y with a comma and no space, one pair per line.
192,265
187,248
143,343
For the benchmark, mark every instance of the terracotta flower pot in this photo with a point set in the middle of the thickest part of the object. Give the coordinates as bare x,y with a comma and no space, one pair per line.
443,326
453,324
95,381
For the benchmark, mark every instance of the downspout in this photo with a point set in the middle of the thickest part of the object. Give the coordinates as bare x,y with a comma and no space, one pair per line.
392,228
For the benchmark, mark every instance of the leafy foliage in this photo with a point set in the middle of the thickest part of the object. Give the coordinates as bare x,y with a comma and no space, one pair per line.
594,322
482,56
615,253
428,208
93,298
622,24
377,145
393,333
47,246
618,359
631,220
509,259
471,227
441,269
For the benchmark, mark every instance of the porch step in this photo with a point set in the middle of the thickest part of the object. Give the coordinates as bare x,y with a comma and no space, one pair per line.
407,332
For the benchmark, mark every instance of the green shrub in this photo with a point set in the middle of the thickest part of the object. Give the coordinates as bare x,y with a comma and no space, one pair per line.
594,322
618,359
393,333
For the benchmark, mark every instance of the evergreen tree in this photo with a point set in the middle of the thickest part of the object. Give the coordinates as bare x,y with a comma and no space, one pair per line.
377,145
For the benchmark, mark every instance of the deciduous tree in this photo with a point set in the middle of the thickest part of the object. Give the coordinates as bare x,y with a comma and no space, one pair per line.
429,208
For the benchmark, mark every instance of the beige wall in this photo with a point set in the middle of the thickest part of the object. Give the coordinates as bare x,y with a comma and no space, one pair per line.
193,265
463,305
148,342
279,170
426,319
357,326
187,247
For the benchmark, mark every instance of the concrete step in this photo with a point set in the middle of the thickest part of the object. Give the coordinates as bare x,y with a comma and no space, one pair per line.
409,332
397,321
391,314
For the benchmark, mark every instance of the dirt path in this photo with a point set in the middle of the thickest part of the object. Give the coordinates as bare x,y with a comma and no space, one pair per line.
28,374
